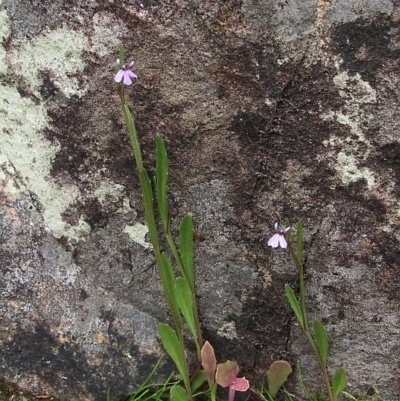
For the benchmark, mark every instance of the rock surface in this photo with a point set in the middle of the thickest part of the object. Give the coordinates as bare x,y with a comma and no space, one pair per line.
269,109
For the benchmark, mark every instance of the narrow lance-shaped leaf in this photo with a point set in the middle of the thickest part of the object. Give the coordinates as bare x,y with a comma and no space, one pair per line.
339,382
185,302
186,248
161,181
198,380
294,303
300,240
171,344
148,206
130,124
322,340
169,280
277,375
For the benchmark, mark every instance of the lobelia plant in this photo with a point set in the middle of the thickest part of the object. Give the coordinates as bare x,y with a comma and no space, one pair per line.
179,289
318,338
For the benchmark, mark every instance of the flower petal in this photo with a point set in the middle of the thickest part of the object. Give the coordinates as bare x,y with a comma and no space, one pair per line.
240,384
119,75
127,79
131,74
118,62
274,241
282,241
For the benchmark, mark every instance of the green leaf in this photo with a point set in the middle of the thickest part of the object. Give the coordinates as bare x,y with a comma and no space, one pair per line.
198,380
130,124
294,303
161,181
339,382
171,344
277,375
226,373
185,302
178,393
169,280
300,240
186,248
148,206
322,340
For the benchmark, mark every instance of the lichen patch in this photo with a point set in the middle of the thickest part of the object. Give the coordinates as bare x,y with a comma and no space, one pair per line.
346,153
137,233
4,33
58,52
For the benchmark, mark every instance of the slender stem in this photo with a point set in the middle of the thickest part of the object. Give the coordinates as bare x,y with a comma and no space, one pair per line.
306,329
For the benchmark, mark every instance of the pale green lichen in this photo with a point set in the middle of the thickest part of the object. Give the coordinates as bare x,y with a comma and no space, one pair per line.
58,52
21,142
348,152
5,30
137,233
350,172
107,33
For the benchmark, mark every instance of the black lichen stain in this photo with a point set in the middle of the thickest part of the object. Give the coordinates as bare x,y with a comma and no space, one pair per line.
91,211
250,126
365,45
387,276
64,367
47,89
83,294
60,365
390,157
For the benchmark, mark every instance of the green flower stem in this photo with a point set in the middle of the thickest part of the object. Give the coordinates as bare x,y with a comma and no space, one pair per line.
306,329
151,223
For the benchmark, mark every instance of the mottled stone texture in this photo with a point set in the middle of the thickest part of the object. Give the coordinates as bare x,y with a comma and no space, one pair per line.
269,109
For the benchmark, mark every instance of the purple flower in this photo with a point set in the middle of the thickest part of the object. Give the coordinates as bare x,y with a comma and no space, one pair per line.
279,238
125,74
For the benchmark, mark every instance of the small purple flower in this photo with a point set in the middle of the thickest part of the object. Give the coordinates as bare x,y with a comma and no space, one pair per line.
279,238
125,74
